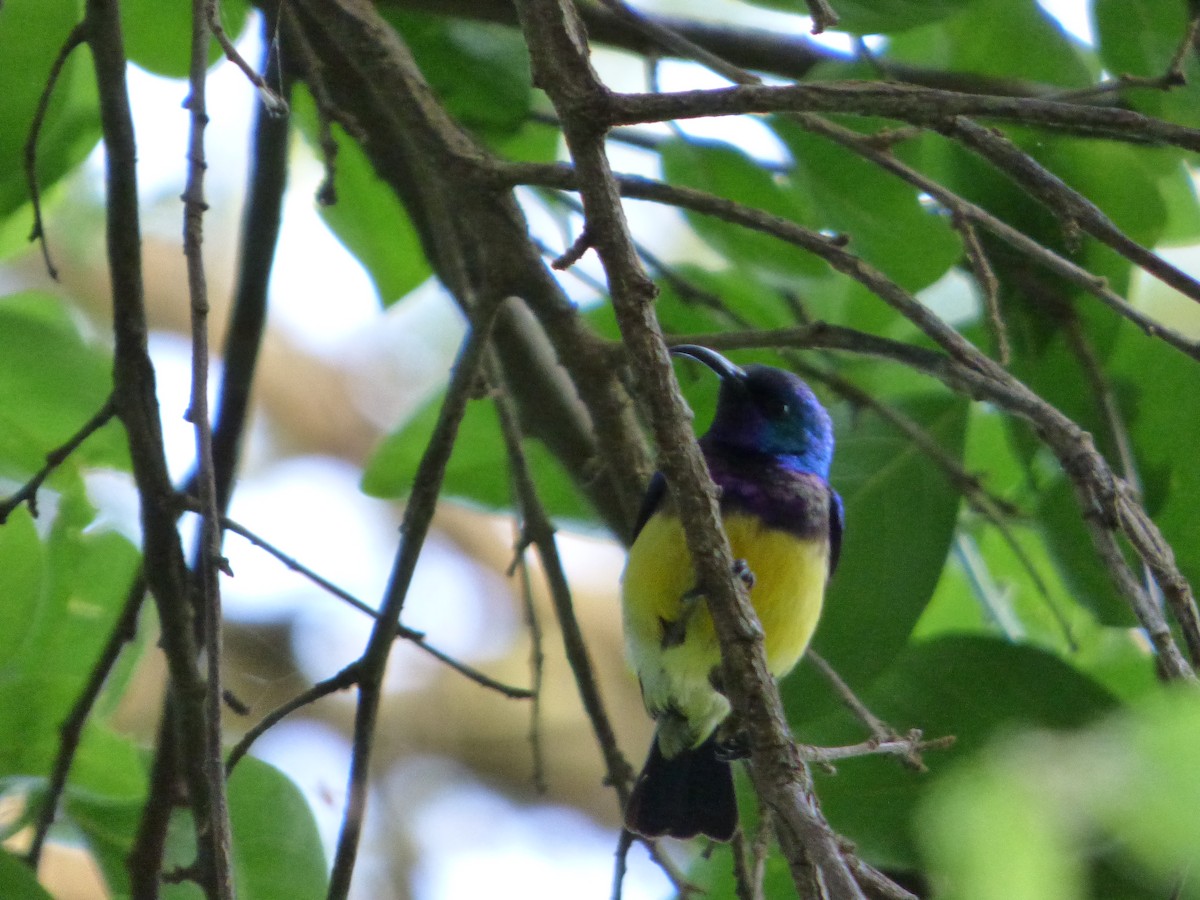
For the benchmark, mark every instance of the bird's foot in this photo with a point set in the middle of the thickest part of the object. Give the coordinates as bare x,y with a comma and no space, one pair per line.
733,746
741,569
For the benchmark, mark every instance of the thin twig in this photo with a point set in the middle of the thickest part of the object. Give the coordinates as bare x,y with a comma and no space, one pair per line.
624,843
743,871
877,884
418,515
1173,77
78,35
402,631
988,504
308,63
257,241
907,748
1071,207
760,848
144,861
881,731
537,661
71,730
927,107
214,837
538,531
137,406
1110,412
989,285
565,178
27,493
670,40
275,104
822,14
347,677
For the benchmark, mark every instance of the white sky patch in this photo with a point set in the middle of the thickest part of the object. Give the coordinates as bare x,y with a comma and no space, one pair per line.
473,842
172,357
1074,16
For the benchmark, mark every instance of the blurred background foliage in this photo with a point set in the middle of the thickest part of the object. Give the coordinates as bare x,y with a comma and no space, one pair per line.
985,616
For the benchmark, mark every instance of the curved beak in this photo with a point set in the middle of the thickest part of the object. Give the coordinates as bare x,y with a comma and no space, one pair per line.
726,370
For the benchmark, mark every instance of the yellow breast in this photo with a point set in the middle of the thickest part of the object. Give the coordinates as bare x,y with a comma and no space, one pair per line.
789,586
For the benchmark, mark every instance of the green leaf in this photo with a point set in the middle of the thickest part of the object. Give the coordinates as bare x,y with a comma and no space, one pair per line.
108,827
1140,38
1069,541
277,852
22,585
1044,595
367,217
18,881
972,687
1024,854
71,610
1024,818
158,33
51,383
1178,193
476,471
1157,396
696,300
980,41
31,32
727,172
479,71
878,16
881,215
900,518
532,142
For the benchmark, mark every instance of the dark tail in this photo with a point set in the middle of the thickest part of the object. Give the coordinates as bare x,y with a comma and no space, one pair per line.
685,796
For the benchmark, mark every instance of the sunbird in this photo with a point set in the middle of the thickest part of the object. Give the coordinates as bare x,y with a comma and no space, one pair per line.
769,450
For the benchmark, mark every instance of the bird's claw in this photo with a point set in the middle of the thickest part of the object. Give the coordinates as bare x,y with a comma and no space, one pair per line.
734,746
741,569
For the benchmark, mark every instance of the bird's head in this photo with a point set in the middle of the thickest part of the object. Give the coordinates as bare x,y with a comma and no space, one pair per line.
761,409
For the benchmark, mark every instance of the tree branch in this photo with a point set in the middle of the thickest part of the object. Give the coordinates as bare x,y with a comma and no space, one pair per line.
565,392
71,730
402,631
214,864
347,677
27,493
77,36
559,55
137,406
1071,207
257,241
537,530
926,107
427,484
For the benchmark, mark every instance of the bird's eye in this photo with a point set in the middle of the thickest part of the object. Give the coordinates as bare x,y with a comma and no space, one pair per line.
774,407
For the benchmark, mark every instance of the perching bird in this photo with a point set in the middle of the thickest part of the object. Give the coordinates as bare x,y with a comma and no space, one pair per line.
768,450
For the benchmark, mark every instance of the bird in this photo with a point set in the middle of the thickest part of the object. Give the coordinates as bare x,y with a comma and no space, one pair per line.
769,450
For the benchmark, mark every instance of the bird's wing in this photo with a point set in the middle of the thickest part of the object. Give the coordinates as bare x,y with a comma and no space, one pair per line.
650,503
837,514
